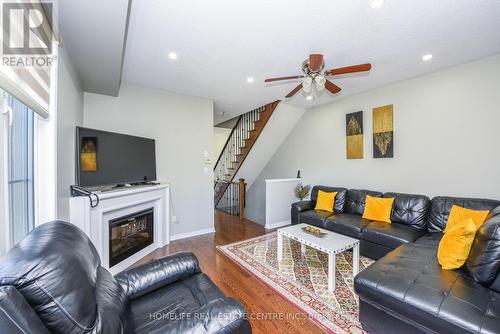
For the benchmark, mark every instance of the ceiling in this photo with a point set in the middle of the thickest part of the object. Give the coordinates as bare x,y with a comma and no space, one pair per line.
94,33
221,43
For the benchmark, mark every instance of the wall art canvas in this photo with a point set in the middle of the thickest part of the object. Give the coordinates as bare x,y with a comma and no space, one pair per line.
354,135
88,154
383,136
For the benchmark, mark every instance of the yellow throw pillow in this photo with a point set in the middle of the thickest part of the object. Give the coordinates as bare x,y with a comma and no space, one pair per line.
459,214
378,208
325,201
455,245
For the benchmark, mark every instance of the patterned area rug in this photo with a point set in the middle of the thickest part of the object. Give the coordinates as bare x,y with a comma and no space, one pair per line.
303,280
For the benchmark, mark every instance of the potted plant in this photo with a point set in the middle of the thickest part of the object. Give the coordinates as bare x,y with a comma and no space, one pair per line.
302,191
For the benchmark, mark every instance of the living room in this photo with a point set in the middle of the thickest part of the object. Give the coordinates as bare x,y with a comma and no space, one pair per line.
264,167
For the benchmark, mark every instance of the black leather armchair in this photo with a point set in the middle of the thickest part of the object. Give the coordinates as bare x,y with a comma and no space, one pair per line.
52,282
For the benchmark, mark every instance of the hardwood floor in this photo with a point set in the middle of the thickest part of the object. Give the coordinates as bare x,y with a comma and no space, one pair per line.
267,311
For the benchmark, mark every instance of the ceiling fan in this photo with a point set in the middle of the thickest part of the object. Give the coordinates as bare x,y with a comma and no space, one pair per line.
313,75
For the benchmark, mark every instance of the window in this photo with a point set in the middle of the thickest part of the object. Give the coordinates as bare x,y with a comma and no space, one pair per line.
20,170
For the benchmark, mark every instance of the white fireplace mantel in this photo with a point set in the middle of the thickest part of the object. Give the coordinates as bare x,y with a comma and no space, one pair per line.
118,203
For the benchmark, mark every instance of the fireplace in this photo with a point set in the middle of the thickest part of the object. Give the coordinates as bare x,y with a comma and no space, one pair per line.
129,234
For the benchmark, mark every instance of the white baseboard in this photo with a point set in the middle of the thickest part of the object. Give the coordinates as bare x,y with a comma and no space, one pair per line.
279,224
191,234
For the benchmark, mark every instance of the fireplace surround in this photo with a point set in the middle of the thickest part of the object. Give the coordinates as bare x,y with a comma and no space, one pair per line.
115,206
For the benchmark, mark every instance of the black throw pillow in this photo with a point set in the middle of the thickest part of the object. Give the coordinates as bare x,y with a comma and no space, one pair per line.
483,261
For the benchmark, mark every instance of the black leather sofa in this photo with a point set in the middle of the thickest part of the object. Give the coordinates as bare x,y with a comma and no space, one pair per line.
52,282
405,290
376,239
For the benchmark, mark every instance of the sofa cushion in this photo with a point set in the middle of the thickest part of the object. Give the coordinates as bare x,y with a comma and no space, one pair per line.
16,315
177,307
409,209
339,198
378,208
347,224
441,207
314,217
390,235
325,201
429,240
355,200
459,214
410,283
455,246
55,269
483,262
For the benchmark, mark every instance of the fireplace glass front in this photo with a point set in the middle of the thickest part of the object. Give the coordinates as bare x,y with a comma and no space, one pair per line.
130,234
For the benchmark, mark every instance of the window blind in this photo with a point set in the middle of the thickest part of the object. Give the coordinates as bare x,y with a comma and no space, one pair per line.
27,41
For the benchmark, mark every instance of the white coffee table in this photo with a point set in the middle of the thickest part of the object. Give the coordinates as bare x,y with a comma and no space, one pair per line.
332,244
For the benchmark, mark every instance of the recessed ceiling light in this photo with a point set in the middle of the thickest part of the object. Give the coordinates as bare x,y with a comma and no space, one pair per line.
172,55
309,97
376,3
220,113
427,57
250,79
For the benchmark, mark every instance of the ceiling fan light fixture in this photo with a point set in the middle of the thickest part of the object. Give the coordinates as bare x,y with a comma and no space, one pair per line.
320,81
309,97
307,84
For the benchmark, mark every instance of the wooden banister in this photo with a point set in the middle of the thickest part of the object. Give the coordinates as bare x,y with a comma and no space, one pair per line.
242,186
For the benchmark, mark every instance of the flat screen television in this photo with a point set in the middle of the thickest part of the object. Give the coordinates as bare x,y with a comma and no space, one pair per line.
107,158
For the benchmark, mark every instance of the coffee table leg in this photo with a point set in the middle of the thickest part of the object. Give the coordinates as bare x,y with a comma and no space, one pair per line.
280,247
303,249
355,260
331,272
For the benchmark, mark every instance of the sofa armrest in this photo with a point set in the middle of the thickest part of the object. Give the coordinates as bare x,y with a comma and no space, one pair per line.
303,205
299,207
154,275
16,315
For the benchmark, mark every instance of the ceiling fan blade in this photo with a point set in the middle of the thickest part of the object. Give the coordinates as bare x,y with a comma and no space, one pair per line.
331,87
349,69
294,91
315,61
284,78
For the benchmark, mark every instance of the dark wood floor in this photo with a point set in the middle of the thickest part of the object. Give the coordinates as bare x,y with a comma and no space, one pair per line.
268,312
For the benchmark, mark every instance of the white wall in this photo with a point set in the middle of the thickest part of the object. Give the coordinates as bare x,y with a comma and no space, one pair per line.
220,137
69,115
446,137
183,129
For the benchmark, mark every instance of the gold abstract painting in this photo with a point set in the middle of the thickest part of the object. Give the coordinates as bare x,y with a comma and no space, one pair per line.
88,154
354,135
383,132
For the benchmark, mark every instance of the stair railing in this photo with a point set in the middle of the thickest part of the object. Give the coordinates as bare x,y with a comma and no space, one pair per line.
233,199
236,141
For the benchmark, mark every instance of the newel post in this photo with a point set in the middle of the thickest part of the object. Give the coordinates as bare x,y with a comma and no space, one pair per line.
242,186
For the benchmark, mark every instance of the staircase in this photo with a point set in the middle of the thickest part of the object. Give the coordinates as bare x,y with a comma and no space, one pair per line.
238,145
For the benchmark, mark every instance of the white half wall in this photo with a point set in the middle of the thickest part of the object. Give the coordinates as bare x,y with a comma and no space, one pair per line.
446,138
69,115
183,129
279,197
